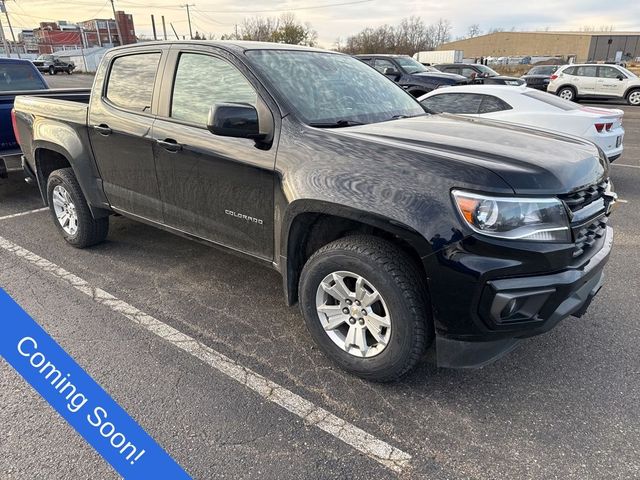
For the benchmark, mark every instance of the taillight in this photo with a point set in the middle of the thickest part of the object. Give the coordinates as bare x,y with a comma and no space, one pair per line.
599,127
554,76
608,126
14,124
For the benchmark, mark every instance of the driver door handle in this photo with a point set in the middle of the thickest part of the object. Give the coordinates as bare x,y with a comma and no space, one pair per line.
102,129
170,144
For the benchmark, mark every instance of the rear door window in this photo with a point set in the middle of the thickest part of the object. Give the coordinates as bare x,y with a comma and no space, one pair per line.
586,71
131,81
17,76
461,103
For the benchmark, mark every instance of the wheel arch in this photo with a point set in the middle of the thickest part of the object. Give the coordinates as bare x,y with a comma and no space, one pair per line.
48,157
309,225
629,90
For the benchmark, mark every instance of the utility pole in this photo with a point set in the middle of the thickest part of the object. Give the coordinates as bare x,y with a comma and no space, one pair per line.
7,50
4,9
187,5
113,7
153,25
174,31
164,28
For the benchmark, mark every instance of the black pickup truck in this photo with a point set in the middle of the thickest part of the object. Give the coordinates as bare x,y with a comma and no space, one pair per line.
415,78
391,227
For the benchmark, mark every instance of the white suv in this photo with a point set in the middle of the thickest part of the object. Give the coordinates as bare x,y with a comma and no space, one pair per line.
595,81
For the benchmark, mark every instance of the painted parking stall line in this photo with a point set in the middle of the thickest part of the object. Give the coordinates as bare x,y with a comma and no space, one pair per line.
105,425
375,448
21,214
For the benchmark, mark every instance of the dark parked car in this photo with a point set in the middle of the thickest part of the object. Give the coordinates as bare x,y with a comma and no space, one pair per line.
478,73
16,77
538,77
51,64
392,228
415,78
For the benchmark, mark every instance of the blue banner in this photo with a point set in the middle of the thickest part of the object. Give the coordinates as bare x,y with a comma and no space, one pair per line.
79,399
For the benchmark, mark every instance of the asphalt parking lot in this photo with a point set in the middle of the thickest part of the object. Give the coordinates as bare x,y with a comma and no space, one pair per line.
564,405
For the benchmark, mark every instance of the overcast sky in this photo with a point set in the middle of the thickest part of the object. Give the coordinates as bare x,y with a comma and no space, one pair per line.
339,18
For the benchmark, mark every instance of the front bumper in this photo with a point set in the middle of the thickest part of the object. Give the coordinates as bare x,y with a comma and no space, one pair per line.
543,300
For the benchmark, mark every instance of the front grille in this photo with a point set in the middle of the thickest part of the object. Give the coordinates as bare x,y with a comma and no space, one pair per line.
577,200
587,235
587,231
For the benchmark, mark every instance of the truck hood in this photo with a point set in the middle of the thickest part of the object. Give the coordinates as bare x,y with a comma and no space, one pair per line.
530,161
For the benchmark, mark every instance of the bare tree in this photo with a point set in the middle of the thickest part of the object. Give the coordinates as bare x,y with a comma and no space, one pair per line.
409,36
284,29
474,31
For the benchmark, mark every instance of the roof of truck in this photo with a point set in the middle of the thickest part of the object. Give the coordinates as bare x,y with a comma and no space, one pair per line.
237,45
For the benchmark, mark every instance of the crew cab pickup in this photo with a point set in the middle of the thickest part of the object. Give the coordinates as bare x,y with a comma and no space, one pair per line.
392,228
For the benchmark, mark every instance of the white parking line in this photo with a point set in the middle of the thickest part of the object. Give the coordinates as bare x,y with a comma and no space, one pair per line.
389,456
7,217
625,165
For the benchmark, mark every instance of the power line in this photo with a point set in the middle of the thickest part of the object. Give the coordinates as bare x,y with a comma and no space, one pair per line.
271,10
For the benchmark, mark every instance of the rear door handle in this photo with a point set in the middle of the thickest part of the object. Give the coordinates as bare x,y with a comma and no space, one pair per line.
170,144
102,129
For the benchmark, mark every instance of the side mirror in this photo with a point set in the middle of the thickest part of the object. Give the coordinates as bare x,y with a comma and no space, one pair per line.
620,77
390,71
238,120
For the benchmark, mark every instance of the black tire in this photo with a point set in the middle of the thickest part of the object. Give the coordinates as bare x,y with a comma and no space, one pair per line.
400,284
569,92
52,71
633,97
69,71
90,231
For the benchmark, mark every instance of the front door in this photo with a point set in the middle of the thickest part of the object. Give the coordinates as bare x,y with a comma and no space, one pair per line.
216,188
611,82
120,124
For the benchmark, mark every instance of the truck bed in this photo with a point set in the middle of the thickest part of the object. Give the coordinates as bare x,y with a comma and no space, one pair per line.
9,150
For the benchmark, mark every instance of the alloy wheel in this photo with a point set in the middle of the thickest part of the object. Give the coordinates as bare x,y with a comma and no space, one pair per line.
566,94
634,98
65,210
353,314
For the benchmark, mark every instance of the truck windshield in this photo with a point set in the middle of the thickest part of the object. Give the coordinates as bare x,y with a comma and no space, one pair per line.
15,76
488,72
410,65
331,89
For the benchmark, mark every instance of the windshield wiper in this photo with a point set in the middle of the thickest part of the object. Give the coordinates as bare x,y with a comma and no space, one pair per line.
398,117
336,124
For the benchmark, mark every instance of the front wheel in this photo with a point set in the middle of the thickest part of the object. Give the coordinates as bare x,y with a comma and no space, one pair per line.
365,305
69,71
52,71
71,213
633,98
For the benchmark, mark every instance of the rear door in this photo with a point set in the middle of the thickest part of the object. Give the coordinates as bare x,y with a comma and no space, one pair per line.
120,121
585,79
611,81
216,188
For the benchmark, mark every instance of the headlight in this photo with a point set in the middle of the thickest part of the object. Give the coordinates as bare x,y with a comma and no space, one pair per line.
513,218
512,82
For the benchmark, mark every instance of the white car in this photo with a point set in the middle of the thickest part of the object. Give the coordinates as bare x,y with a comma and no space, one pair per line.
595,81
526,106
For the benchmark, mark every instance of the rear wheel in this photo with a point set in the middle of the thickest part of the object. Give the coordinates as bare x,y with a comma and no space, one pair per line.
71,213
364,303
69,71
567,93
633,98
52,71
